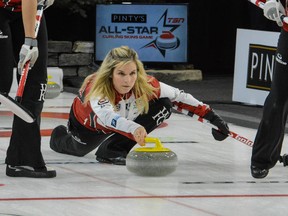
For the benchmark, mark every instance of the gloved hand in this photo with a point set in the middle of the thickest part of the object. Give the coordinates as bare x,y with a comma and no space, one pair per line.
28,52
272,10
47,3
223,129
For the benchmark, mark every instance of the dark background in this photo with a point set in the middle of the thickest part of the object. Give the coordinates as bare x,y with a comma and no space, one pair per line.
212,30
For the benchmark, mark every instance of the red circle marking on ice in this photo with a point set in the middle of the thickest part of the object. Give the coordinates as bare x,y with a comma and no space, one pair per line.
47,132
44,132
43,114
164,124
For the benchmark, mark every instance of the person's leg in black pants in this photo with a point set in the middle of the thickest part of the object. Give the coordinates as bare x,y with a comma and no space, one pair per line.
75,139
268,142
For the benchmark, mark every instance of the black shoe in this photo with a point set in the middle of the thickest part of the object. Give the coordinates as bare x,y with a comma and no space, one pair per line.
27,171
116,161
258,172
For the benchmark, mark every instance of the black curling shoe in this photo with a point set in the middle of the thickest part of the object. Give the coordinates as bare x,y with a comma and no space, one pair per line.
258,172
30,172
116,161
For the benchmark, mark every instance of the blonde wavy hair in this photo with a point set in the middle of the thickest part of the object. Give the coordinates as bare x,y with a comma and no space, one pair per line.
102,85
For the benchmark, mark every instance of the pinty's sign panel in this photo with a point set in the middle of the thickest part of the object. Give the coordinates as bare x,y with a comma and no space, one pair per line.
158,33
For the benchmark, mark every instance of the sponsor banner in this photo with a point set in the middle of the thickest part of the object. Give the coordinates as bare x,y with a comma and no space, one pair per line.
260,66
158,33
254,65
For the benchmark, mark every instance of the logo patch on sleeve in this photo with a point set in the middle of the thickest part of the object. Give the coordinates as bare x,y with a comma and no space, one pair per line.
114,121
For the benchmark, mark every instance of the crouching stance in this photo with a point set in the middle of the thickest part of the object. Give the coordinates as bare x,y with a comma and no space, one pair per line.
119,105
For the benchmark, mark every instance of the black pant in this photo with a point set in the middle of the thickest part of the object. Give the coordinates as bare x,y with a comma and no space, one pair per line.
79,141
270,134
25,143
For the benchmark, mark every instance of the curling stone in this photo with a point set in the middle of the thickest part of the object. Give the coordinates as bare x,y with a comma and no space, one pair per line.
152,161
53,90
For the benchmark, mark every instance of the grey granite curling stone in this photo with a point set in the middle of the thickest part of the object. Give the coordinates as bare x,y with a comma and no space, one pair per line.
53,90
152,161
